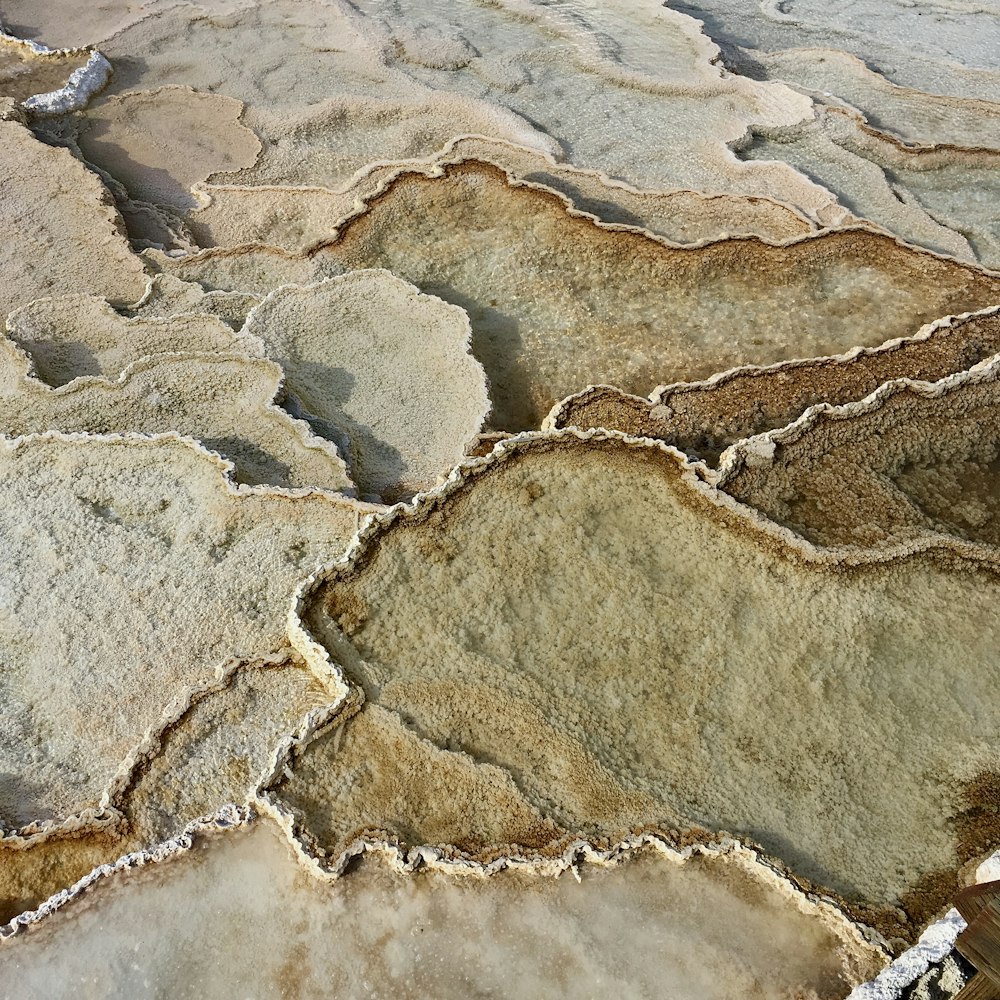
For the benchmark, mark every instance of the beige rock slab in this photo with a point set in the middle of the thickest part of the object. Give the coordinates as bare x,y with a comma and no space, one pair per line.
243,916
383,370
941,197
132,569
159,143
226,402
911,460
834,150
558,301
210,753
946,49
709,669
169,296
298,217
251,270
68,23
61,230
704,418
76,335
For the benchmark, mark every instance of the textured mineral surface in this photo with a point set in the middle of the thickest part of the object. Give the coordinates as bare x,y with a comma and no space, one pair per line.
549,447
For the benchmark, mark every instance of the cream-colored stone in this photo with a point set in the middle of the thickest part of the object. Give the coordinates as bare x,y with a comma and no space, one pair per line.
381,369
61,230
73,335
160,143
296,218
226,402
132,569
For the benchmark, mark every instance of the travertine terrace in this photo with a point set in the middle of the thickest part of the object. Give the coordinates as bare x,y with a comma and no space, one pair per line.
510,488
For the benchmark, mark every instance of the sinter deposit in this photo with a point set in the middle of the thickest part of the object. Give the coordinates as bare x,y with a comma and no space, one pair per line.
509,488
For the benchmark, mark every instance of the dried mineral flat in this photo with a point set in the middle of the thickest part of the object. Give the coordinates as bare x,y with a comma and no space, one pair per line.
209,752
537,70
246,920
381,369
296,218
169,296
779,696
558,301
159,143
948,48
132,569
940,197
73,335
913,116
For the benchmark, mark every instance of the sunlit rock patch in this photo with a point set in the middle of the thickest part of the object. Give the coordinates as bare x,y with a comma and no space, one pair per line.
349,345
210,750
136,554
61,230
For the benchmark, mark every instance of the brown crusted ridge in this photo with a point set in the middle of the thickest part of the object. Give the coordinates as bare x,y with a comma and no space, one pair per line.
558,300
913,460
509,630
705,418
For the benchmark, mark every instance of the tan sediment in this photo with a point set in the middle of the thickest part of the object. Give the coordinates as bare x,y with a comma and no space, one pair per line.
381,369
169,296
76,335
159,143
558,301
64,24
226,402
25,73
912,459
704,418
61,230
140,555
582,533
211,751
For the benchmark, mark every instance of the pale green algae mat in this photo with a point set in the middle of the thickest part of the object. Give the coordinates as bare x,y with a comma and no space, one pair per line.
497,499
